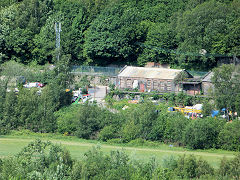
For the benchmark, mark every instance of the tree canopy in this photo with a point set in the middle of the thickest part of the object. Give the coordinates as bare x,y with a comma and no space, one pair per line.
192,34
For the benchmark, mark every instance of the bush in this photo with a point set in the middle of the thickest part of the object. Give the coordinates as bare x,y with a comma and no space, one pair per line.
207,108
190,167
90,119
170,162
203,133
229,137
96,165
108,132
139,121
87,121
142,142
115,141
176,124
203,169
38,160
66,119
230,169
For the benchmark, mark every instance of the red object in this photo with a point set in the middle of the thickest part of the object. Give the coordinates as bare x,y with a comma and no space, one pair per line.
142,89
87,95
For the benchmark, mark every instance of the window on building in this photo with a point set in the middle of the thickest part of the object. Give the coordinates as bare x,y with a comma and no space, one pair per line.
155,84
122,83
149,84
162,86
169,85
129,83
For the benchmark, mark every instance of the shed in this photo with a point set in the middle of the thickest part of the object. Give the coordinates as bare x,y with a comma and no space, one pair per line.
158,79
207,83
192,86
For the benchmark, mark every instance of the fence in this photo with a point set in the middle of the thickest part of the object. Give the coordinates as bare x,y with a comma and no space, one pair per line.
95,70
197,73
112,71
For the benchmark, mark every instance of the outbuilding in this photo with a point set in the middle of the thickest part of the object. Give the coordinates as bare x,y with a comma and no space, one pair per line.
151,78
207,83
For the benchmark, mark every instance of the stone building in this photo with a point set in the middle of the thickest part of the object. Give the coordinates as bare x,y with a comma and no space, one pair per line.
150,78
206,83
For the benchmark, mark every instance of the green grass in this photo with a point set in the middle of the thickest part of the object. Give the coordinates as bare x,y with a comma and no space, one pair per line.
12,144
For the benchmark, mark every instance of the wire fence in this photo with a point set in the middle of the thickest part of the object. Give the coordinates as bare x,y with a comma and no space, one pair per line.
113,71
198,73
96,70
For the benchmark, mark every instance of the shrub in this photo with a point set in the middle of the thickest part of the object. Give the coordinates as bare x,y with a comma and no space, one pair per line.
230,169
38,160
176,124
207,108
87,121
203,169
142,119
186,167
108,132
190,167
142,142
96,165
229,137
162,173
90,119
130,131
115,141
203,133
66,119
170,162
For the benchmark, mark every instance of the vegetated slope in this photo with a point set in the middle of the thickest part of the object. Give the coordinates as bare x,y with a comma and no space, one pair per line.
186,33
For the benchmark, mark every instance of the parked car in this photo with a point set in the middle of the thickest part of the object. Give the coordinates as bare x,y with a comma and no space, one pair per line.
33,84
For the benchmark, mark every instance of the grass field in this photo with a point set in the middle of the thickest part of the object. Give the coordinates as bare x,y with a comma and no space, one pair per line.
12,144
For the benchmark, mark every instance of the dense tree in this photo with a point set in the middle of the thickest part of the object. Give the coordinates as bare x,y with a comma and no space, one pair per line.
53,162
158,45
9,119
203,133
192,34
139,122
205,27
111,35
226,87
229,136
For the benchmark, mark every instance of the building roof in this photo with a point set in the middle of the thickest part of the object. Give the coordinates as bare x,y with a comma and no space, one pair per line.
145,72
207,77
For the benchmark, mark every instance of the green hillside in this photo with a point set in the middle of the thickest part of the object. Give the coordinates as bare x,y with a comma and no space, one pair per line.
191,34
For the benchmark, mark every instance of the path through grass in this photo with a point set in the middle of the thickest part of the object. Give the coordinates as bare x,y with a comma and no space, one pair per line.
10,145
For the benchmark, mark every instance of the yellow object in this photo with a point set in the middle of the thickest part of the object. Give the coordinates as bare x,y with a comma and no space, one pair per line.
186,110
133,101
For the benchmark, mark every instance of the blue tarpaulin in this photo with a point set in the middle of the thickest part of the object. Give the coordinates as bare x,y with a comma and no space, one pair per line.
215,113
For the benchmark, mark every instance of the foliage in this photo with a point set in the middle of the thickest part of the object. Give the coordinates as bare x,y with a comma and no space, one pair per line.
203,133
66,118
139,121
38,160
108,132
226,86
230,168
207,108
111,35
190,167
229,136
103,32
83,83
175,127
